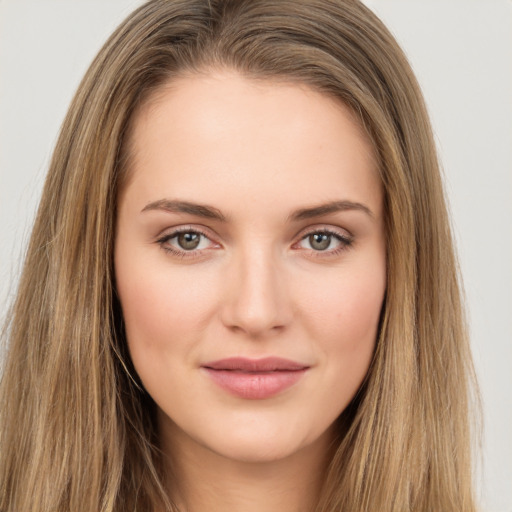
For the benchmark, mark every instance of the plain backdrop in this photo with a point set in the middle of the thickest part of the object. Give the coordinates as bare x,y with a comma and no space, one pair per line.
461,51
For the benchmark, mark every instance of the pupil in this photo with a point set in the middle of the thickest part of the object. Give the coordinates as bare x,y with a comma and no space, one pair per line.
188,241
320,241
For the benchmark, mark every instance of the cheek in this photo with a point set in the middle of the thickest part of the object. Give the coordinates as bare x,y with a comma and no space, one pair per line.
348,307
164,311
344,319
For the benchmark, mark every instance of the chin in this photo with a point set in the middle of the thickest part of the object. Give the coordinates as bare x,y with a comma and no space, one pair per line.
255,453
263,444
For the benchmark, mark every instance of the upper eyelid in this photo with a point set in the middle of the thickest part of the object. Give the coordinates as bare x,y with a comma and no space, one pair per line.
172,232
333,230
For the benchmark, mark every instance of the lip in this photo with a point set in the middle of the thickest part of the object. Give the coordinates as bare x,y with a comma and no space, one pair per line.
255,379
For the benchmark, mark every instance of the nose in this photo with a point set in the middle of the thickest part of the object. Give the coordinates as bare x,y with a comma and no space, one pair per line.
256,299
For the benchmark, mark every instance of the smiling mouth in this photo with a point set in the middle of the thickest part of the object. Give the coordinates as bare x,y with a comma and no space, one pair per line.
255,379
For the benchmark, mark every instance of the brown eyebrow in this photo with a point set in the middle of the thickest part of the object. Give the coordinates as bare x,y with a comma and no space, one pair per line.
332,207
209,212
174,206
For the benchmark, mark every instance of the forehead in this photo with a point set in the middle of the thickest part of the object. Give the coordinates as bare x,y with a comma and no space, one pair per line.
215,135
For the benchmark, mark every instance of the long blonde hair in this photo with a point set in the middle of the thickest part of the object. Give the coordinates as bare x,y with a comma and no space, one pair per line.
77,430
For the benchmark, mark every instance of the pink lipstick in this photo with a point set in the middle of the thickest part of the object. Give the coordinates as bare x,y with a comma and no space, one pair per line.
255,379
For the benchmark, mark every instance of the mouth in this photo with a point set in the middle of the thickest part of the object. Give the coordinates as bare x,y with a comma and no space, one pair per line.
255,379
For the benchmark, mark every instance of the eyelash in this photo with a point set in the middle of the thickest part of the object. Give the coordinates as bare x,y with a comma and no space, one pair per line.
163,242
345,242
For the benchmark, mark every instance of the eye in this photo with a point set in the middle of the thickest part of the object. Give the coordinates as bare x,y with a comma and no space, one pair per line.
325,241
186,242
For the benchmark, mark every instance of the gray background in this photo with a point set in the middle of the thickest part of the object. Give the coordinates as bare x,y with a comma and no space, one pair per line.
461,51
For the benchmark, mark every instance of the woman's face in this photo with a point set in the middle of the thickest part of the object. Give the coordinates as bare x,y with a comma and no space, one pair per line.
250,262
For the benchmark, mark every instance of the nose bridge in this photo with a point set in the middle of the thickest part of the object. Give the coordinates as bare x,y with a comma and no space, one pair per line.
257,300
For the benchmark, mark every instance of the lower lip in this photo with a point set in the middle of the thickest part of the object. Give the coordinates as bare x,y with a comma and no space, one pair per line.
255,386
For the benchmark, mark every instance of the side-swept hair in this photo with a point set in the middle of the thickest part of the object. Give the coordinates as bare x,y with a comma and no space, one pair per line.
77,431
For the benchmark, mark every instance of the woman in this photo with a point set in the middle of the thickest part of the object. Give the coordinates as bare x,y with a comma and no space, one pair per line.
241,281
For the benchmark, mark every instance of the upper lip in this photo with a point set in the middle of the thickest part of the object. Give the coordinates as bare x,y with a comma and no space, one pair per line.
266,364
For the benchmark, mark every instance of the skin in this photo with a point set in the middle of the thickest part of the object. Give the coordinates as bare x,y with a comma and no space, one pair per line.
257,284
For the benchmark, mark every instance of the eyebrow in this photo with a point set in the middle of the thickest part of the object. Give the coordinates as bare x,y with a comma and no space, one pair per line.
174,206
210,212
326,209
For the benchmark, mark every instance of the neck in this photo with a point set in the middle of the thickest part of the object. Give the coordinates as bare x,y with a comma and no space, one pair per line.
205,481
